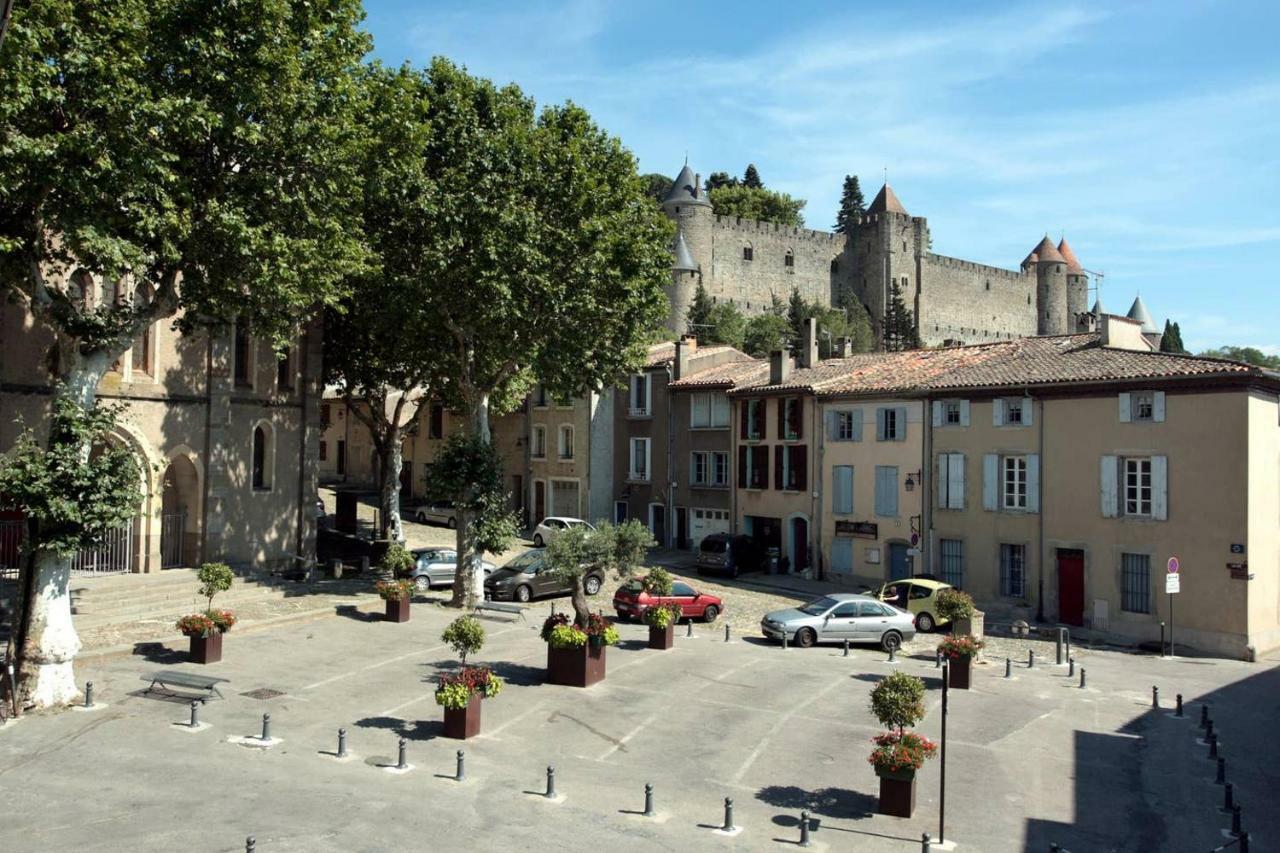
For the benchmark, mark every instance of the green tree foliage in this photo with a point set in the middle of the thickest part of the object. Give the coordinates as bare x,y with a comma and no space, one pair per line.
798,310
1249,355
613,548
765,333
758,204
656,185
852,204
899,324
698,317
1171,340
465,635
898,701
727,326
834,324
214,578
468,472
396,562
717,180
751,178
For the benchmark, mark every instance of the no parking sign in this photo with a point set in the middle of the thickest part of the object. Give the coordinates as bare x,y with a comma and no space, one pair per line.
1173,580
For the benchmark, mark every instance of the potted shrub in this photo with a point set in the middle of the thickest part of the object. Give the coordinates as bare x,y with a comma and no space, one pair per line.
461,693
960,652
957,609
205,629
396,594
576,656
898,703
662,625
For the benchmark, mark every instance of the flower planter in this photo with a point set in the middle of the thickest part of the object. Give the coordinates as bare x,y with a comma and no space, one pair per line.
462,723
576,666
206,649
897,792
662,638
398,611
959,670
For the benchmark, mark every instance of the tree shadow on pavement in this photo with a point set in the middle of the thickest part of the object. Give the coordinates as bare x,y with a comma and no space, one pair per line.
830,802
408,729
158,653
519,673
349,611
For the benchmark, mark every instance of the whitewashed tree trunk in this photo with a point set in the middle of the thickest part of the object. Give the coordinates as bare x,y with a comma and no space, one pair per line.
51,643
468,586
392,463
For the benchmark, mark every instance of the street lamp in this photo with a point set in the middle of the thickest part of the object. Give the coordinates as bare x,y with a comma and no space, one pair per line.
910,484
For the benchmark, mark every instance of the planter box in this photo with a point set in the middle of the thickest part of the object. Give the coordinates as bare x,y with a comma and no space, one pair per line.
206,649
974,626
398,611
462,723
662,638
579,666
959,670
897,792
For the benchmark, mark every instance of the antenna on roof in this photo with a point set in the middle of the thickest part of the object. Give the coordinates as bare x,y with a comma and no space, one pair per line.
886,174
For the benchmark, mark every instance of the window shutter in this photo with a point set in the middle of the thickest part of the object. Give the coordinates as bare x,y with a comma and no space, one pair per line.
1033,482
842,486
937,413
940,480
1160,488
964,413
778,482
857,424
800,417
1125,408
842,555
833,426
990,479
1028,412
880,424
902,424
955,481
1110,482
891,490
782,417
742,466
742,420
762,407
648,460
1157,407
800,461
997,412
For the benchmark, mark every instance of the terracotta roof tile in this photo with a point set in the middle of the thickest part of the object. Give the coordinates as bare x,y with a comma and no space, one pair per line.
1073,264
886,201
665,353
1046,251
731,375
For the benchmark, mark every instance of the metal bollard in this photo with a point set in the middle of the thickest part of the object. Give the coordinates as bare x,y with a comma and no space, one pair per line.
1057,646
937,659
648,800
342,743
804,830
1155,696
402,762
88,694
926,843
1228,798
893,654
1177,708
1221,778
1208,730
1071,667
1235,819
1031,658
266,727
1081,677
1161,639
461,772
1243,846
1204,716
1008,668
250,844
551,781
195,713
728,815
689,629
726,632
846,648
784,641
1213,747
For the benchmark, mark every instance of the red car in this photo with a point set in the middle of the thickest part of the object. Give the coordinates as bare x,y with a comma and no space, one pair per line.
631,601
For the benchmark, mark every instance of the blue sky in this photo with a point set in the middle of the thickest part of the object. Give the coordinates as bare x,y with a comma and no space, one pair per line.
1148,133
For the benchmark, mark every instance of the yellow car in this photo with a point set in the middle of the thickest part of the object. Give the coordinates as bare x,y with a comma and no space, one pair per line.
918,597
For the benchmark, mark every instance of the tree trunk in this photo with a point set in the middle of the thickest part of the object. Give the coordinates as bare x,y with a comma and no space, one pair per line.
391,461
468,582
581,609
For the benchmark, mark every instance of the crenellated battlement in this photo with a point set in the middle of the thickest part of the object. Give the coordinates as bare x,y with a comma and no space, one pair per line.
739,225
971,266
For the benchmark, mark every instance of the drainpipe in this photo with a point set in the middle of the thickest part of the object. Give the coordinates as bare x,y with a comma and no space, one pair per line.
926,488
816,484
1040,521
671,465
208,447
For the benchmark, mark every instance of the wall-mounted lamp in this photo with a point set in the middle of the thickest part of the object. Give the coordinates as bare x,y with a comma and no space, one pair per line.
910,484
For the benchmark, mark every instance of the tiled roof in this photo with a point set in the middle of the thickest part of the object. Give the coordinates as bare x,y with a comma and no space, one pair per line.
731,375
1073,264
887,201
1046,251
875,373
665,353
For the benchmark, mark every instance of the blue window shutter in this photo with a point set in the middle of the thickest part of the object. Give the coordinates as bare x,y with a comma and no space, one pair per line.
880,424
857,424
902,424
1033,482
842,555
990,481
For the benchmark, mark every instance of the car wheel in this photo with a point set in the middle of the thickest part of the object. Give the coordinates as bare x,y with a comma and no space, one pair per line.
591,585
422,583
421,518
891,641
523,593
924,623
710,614
805,638
537,540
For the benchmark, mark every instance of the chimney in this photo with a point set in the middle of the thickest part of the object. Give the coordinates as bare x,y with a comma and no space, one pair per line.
808,355
697,185
1123,333
844,348
685,348
779,367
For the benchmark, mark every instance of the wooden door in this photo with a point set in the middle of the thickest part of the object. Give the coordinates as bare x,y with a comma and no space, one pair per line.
539,502
1071,587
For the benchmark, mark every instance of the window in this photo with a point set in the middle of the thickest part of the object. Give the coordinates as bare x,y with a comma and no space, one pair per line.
566,442
538,446
891,424
790,418
1137,486
710,468
748,253
1013,482
753,467
325,415
1135,583
1012,411
950,481
242,354
262,458
887,490
846,425
789,260
540,397
435,421
951,413
709,411
324,450
682,590
641,384
142,347
639,460
1142,406
1013,570
835,266
753,419
842,489
952,552
790,468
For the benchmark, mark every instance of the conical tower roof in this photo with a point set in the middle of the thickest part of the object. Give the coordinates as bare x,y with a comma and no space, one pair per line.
1046,252
685,189
1064,249
684,260
1098,309
887,202
1140,313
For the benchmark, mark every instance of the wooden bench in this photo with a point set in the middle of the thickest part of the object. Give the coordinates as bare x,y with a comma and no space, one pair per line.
501,607
168,679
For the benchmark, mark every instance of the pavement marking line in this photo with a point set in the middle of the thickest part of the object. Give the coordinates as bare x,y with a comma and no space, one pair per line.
388,661
516,719
740,707
777,727
629,735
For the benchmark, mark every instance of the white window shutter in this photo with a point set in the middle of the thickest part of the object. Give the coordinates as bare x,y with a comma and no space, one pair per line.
1160,488
990,480
902,423
1028,412
833,426
1157,407
1109,485
937,413
955,481
1126,408
1033,482
964,413
857,424
997,412
940,480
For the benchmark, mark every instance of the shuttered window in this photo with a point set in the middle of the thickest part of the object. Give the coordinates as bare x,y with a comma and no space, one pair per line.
1135,583
952,553
950,481
1013,570
887,490
842,489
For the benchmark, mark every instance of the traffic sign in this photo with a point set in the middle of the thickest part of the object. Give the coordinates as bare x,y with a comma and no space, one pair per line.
1173,565
1172,583
915,538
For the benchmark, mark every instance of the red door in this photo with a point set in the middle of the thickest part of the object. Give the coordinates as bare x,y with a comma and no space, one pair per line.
1071,587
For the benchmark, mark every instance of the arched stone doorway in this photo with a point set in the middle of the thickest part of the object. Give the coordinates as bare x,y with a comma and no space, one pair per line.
180,513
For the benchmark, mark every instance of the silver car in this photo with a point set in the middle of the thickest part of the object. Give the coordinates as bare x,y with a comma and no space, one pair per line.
437,567
440,512
838,617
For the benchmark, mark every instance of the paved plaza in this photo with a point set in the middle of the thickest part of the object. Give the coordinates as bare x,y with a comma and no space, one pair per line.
1031,760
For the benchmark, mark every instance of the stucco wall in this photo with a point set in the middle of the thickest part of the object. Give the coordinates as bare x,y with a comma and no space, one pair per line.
1262,552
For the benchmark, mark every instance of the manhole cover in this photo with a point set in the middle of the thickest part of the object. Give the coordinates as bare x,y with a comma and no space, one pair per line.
263,693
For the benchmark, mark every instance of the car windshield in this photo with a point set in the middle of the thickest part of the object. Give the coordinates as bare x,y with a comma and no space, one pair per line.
818,606
527,560
715,546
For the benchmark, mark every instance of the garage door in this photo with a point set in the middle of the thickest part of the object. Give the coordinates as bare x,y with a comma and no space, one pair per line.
564,498
704,522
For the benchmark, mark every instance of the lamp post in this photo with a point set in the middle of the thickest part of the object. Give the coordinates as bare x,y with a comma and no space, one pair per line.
942,792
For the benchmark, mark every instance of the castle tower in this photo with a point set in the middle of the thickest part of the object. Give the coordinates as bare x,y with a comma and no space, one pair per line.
888,243
1077,285
1138,311
1052,315
686,203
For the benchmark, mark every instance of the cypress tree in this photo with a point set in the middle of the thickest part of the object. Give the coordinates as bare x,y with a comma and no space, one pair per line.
1171,340
698,317
751,178
797,312
852,204
899,324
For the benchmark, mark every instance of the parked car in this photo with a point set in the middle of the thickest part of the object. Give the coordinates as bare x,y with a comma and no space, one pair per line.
528,576
841,616
631,601
729,554
918,596
439,512
437,567
552,526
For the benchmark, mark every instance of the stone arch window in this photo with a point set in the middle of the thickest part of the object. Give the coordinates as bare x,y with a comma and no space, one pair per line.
1028,298
988,284
263,461
748,252
789,260
144,346
835,266
284,369
242,355
108,294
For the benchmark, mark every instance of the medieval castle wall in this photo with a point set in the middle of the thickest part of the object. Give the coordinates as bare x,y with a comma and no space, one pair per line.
781,258
974,303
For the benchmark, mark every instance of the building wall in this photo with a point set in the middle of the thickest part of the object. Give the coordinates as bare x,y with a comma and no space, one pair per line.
688,497
638,494
752,284
551,468
1262,551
